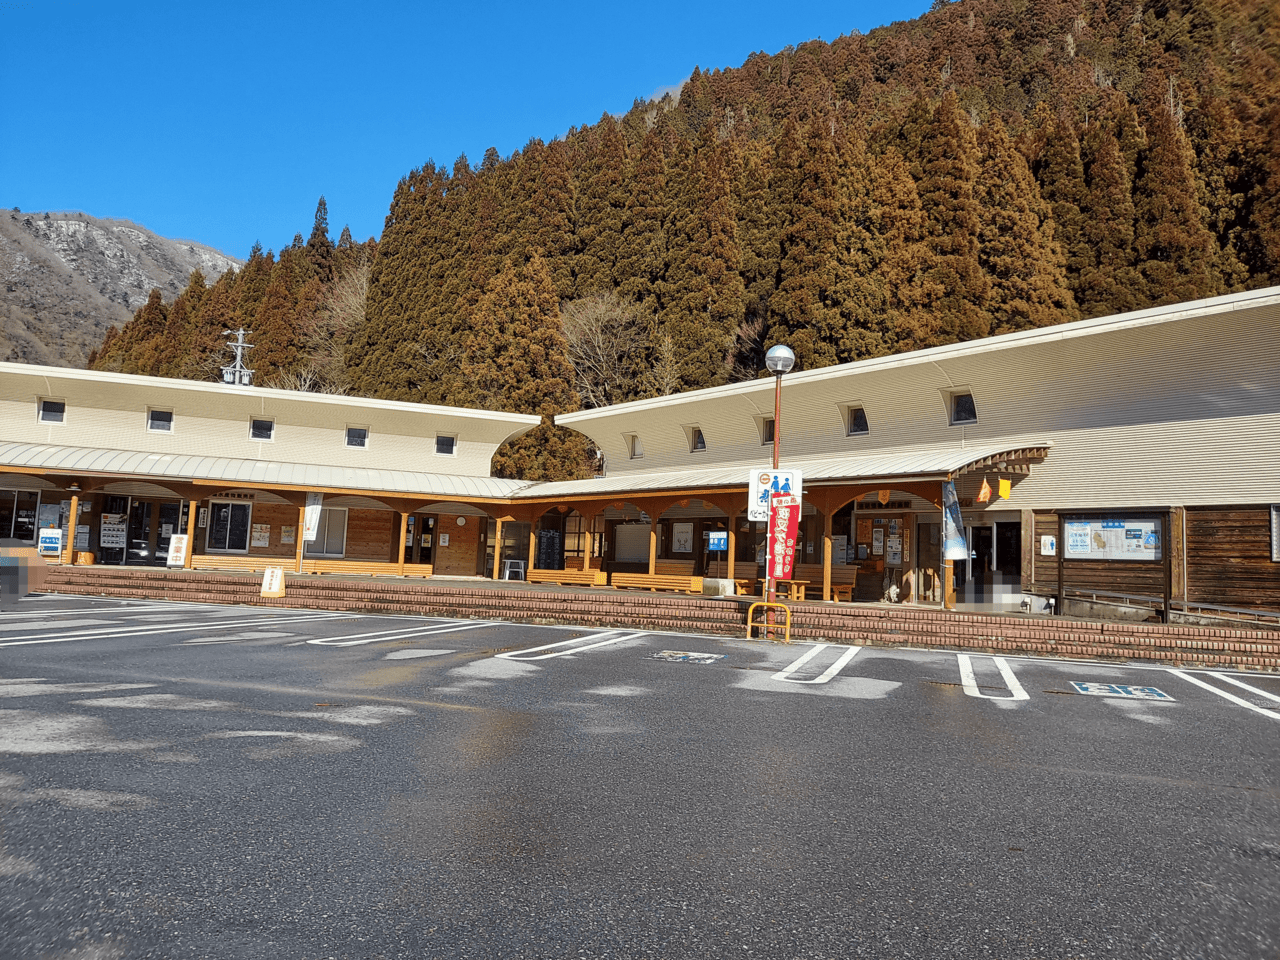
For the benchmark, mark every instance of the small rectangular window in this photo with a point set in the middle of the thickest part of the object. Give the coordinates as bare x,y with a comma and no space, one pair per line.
766,432
963,409
445,445
53,411
697,441
635,449
160,420
357,436
262,429
857,421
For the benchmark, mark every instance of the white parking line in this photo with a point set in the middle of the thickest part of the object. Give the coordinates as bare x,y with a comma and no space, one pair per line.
584,643
835,668
970,682
401,634
1265,711
1241,683
136,631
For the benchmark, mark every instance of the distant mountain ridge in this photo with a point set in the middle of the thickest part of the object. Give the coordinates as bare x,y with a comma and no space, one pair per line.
65,278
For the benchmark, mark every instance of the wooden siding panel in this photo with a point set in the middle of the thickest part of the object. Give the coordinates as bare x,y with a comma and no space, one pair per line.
1229,558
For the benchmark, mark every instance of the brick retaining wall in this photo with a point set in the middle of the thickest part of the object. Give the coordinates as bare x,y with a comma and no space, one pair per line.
843,623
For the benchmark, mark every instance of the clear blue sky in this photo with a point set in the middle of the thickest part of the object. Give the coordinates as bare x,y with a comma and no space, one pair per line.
225,122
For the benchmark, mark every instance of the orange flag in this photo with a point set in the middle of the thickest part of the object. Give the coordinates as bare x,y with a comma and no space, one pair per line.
883,496
985,493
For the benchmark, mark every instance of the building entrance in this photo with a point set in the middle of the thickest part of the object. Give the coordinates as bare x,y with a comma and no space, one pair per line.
138,532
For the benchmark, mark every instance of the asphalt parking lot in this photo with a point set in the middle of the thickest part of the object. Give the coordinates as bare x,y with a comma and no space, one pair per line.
182,781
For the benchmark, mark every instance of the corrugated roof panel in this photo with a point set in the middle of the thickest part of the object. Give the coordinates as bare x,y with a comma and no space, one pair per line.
224,469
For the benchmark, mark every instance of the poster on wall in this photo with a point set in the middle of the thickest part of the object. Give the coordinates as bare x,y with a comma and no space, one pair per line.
444,539
682,538
954,546
289,534
877,543
1114,538
864,531
893,551
261,535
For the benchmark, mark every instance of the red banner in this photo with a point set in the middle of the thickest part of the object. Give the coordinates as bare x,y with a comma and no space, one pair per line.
784,527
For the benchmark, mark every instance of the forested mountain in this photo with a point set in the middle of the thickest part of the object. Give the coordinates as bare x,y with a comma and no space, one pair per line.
993,166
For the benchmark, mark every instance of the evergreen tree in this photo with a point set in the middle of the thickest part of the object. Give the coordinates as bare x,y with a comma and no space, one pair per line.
1109,284
515,358
1175,251
1025,267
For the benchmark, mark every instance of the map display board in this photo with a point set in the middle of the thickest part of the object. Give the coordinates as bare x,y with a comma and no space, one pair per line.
1114,538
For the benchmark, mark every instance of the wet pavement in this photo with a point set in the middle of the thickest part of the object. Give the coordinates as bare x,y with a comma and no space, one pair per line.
185,781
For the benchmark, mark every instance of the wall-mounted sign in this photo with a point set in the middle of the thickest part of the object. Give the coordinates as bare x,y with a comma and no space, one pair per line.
1114,538
289,534
718,540
261,535
1048,546
444,539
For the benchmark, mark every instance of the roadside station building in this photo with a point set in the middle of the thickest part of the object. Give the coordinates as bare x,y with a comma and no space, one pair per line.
1130,461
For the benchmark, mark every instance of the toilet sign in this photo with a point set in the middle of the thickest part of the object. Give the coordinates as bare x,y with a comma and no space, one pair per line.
763,484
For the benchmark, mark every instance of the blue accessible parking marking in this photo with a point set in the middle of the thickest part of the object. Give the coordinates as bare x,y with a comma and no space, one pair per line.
1120,690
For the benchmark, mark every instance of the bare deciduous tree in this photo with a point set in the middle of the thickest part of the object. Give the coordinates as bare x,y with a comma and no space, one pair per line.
343,310
608,341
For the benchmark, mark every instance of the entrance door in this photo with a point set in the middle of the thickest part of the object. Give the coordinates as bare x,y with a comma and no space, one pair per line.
170,523
983,545
139,551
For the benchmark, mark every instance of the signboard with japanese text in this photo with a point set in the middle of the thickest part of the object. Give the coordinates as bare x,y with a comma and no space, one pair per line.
764,483
177,550
1113,538
50,542
784,526
718,540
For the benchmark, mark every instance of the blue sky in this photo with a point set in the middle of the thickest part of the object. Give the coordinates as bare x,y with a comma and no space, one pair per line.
225,122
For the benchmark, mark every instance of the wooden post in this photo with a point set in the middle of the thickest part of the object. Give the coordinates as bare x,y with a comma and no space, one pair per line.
533,545
192,510
404,532
302,524
497,547
733,542
1166,544
653,545
1062,549
826,555
69,549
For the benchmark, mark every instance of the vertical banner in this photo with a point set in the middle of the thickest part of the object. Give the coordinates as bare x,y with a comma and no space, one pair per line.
311,516
953,542
784,527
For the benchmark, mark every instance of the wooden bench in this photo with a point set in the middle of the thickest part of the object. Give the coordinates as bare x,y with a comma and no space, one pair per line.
657,581
582,578
844,579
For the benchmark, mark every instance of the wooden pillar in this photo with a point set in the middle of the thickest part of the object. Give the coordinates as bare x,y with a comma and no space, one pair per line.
533,544
497,547
302,525
653,545
733,541
404,532
192,509
69,548
826,555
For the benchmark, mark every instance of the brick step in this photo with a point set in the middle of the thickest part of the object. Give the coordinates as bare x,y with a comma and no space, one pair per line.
862,625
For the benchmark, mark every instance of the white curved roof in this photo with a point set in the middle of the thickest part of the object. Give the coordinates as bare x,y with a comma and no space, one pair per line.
89,460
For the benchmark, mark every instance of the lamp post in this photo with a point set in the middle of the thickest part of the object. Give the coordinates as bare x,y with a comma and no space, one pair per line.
778,360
